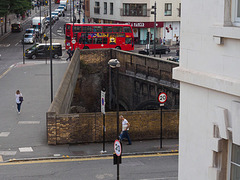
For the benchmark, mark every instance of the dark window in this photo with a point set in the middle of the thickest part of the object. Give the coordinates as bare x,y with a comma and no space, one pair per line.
97,28
117,29
107,28
97,8
105,40
77,28
87,29
111,8
128,40
168,9
97,40
68,27
135,9
127,29
68,38
105,8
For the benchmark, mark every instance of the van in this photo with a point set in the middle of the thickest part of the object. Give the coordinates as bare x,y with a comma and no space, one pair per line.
16,27
38,23
43,51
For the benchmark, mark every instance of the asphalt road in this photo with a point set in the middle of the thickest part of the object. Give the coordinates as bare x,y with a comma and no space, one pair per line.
148,167
11,48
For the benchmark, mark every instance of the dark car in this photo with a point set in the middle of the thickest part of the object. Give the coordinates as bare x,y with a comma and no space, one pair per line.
16,27
43,50
159,48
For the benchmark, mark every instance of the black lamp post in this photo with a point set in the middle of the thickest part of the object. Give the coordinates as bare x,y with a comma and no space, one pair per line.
51,70
114,63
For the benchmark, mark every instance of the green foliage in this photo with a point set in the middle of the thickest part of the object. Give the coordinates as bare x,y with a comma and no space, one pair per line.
14,6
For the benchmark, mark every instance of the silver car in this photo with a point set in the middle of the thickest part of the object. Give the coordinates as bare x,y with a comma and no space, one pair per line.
29,38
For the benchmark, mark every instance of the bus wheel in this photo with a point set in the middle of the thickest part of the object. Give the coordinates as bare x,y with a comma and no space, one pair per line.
85,47
33,56
118,47
55,56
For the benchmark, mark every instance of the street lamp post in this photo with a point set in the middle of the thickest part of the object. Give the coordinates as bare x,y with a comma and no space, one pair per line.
155,14
51,71
114,63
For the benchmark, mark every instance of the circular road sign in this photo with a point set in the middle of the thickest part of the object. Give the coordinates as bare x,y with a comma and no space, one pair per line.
117,148
73,41
162,97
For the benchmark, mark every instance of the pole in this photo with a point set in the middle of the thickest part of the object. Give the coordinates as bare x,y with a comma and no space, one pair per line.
104,130
70,12
161,106
23,50
40,21
51,71
73,23
117,94
84,12
154,42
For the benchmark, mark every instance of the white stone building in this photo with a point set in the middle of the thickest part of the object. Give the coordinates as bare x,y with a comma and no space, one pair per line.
209,75
138,14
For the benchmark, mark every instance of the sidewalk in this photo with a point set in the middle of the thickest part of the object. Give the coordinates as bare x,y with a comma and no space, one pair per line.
23,137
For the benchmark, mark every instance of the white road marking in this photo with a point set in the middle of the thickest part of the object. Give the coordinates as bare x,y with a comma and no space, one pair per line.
8,153
26,149
4,134
28,122
164,178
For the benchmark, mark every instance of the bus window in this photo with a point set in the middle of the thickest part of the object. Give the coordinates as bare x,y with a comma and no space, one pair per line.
128,40
127,29
68,27
77,28
107,28
97,40
117,29
97,28
68,37
104,40
87,29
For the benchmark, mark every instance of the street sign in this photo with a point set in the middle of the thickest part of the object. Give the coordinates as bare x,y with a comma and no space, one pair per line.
73,41
162,97
117,147
103,102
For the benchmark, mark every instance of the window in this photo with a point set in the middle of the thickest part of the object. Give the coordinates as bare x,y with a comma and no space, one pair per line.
105,40
236,12
97,40
86,29
97,8
128,40
105,8
117,29
107,28
235,162
168,9
111,8
77,28
134,9
127,29
97,28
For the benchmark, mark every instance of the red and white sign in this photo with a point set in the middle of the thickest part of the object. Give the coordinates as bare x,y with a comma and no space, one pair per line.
162,97
117,148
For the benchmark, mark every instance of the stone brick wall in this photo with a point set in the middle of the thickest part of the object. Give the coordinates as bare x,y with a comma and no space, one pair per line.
87,127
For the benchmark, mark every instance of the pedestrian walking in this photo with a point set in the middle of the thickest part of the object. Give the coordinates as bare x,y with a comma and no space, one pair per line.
70,53
125,128
164,41
19,100
160,40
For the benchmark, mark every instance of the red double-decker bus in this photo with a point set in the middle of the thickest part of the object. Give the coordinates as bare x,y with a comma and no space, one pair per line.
96,36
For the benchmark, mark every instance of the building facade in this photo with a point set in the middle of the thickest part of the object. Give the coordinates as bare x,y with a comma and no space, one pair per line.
209,138
138,14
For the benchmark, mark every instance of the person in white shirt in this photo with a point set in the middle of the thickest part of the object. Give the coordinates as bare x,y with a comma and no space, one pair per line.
19,103
125,128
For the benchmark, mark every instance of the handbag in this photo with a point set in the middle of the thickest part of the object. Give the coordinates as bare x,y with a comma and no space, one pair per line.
20,98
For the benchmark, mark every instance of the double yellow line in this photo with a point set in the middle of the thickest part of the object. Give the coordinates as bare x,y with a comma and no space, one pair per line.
83,159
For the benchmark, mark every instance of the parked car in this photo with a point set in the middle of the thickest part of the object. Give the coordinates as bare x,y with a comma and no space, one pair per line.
29,38
16,27
159,49
43,50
